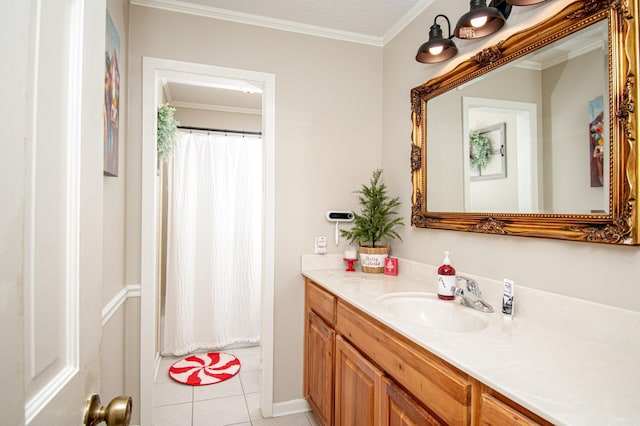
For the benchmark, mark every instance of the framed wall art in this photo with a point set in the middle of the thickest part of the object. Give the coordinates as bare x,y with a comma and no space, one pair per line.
111,111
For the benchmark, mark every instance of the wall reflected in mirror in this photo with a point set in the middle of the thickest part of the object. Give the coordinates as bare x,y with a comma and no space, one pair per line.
554,157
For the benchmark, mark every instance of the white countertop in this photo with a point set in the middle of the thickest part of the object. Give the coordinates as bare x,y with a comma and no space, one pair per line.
570,361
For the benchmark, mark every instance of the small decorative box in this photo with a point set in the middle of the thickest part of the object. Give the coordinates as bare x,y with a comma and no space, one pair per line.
391,266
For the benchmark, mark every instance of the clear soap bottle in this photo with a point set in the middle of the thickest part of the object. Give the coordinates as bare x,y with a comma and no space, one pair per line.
446,279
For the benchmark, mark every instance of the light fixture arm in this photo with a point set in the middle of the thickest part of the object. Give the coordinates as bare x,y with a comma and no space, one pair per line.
450,36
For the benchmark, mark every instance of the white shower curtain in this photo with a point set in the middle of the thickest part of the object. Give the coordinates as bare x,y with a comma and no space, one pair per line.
214,240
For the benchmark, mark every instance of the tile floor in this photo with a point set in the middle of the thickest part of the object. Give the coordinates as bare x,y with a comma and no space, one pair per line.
232,402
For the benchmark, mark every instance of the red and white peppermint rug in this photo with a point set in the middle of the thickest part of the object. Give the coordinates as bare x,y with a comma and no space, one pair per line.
205,369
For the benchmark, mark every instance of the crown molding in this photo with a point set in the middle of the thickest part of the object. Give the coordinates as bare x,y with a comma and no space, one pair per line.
218,108
261,21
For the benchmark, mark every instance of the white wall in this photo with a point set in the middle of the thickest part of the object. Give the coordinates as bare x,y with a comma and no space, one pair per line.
328,139
596,272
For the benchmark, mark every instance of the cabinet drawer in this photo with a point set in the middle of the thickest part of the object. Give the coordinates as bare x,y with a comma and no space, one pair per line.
321,302
443,390
497,413
400,409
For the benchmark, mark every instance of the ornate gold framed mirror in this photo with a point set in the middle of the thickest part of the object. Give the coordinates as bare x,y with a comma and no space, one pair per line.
565,162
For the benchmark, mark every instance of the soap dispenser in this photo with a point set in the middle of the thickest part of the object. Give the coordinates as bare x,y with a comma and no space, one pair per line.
446,279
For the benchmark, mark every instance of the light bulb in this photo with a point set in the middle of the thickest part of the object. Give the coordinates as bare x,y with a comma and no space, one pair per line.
479,21
436,50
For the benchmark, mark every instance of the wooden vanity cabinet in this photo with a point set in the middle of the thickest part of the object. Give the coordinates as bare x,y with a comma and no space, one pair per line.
359,372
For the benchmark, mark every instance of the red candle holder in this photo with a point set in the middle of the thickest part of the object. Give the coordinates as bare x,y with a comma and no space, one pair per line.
350,263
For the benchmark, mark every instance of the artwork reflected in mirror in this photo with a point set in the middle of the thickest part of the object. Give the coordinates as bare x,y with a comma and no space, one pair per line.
598,142
531,136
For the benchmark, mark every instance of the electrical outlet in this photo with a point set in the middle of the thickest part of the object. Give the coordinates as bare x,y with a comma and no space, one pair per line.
320,245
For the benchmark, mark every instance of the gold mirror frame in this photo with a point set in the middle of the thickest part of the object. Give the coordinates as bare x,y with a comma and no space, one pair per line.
620,225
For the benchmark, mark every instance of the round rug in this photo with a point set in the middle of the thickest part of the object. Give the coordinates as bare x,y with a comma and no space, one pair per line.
205,369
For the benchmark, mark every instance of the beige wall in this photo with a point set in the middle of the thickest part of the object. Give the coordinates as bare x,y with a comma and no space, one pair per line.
219,119
328,138
115,187
567,90
116,355
600,273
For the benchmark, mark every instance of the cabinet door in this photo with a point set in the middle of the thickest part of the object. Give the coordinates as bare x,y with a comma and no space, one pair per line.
399,409
319,368
358,386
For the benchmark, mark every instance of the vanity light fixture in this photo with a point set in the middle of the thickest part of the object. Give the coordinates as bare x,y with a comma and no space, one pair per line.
524,2
437,49
482,20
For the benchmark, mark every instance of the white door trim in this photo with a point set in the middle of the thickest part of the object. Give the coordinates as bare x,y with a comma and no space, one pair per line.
153,70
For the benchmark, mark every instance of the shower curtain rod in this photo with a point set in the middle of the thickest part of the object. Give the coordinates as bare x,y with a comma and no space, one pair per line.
206,129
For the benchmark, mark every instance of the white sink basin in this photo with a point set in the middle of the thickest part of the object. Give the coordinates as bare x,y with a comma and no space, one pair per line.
426,310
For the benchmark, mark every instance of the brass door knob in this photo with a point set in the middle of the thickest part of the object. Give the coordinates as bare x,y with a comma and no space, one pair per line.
116,413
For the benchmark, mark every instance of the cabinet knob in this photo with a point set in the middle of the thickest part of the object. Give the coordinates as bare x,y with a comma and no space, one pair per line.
116,413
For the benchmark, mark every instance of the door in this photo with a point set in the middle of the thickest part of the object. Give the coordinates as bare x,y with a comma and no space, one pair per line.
51,219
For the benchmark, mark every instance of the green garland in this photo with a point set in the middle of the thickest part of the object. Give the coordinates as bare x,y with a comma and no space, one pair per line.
480,145
167,128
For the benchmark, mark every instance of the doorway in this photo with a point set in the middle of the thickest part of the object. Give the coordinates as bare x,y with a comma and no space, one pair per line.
155,73
518,180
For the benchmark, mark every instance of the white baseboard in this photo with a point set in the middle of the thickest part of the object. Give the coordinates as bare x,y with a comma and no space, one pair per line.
295,406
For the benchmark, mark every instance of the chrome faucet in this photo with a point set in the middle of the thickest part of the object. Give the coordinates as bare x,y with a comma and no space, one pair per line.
471,297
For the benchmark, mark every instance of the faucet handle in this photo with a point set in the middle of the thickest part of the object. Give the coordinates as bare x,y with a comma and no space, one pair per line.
472,285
